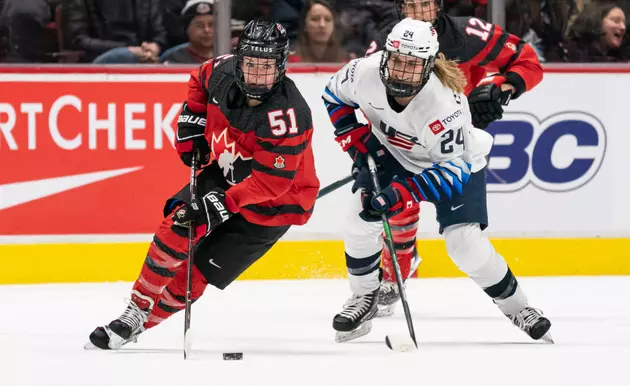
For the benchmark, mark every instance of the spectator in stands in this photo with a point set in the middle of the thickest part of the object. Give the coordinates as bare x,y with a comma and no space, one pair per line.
519,22
198,22
361,21
116,31
287,13
171,19
24,32
597,35
317,41
248,10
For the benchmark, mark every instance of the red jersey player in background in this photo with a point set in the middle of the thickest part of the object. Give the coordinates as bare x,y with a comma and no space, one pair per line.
254,122
480,48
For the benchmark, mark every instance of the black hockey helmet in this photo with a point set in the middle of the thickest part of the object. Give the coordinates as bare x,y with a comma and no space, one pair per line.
401,15
262,39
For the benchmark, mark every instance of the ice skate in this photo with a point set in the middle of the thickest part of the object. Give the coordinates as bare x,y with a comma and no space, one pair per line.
531,321
126,327
389,295
355,319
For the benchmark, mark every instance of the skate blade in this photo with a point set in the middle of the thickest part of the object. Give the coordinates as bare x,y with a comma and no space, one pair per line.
547,338
386,311
414,265
90,346
346,336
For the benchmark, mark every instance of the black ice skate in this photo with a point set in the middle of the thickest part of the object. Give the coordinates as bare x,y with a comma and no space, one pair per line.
126,328
531,321
355,319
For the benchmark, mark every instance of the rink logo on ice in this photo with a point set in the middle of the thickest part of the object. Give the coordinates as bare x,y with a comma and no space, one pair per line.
560,153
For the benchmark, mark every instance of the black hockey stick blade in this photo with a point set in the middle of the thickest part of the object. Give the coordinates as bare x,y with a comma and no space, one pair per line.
334,186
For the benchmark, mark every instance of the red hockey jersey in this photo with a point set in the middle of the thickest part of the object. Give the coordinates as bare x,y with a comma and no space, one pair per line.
264,151
481,47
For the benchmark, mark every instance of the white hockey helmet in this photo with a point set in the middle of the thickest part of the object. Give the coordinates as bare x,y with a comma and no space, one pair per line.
408,39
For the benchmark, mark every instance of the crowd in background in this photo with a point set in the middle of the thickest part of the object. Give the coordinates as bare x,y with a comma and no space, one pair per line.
182,31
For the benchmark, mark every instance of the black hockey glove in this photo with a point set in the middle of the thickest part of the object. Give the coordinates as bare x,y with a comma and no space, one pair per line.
368,214
211,210
487,100
358,141
190,136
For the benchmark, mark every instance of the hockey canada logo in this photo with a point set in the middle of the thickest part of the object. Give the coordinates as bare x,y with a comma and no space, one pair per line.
279,162
396,43
436,127
235,165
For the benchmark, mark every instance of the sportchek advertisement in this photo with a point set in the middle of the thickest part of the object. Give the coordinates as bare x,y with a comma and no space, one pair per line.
92,154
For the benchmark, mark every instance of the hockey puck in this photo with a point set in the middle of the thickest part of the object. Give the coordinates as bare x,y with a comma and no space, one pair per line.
232,356
400,343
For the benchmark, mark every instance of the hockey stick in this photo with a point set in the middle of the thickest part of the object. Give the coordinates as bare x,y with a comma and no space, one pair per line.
390,244
334,186
190,258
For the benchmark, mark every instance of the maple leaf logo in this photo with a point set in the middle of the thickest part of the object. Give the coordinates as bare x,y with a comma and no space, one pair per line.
279,162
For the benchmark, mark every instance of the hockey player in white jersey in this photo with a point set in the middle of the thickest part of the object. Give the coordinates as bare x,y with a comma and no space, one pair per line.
426,149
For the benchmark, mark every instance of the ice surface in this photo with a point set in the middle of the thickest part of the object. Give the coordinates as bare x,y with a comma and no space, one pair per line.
284,330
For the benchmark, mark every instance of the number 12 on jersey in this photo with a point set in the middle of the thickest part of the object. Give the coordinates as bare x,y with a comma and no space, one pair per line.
481,28
278,123
447,145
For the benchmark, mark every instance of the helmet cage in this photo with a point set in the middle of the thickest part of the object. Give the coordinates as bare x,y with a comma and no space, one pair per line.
267,46
394,80
401,14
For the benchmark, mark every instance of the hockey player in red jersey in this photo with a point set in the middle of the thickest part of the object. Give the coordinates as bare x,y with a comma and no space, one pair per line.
480,48
254,122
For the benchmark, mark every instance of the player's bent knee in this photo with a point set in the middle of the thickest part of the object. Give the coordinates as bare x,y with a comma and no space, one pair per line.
362,240
467,246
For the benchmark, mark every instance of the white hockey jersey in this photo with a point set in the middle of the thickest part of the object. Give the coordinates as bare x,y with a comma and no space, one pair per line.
435,126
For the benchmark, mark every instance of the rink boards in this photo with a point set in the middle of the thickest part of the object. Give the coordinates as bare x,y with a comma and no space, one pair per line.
91,162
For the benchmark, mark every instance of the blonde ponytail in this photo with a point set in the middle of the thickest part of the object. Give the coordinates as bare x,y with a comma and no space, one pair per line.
449,74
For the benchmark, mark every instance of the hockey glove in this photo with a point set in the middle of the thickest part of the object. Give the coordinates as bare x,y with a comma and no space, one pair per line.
211,210
486,101
368,213
190,136
358,141
395,198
